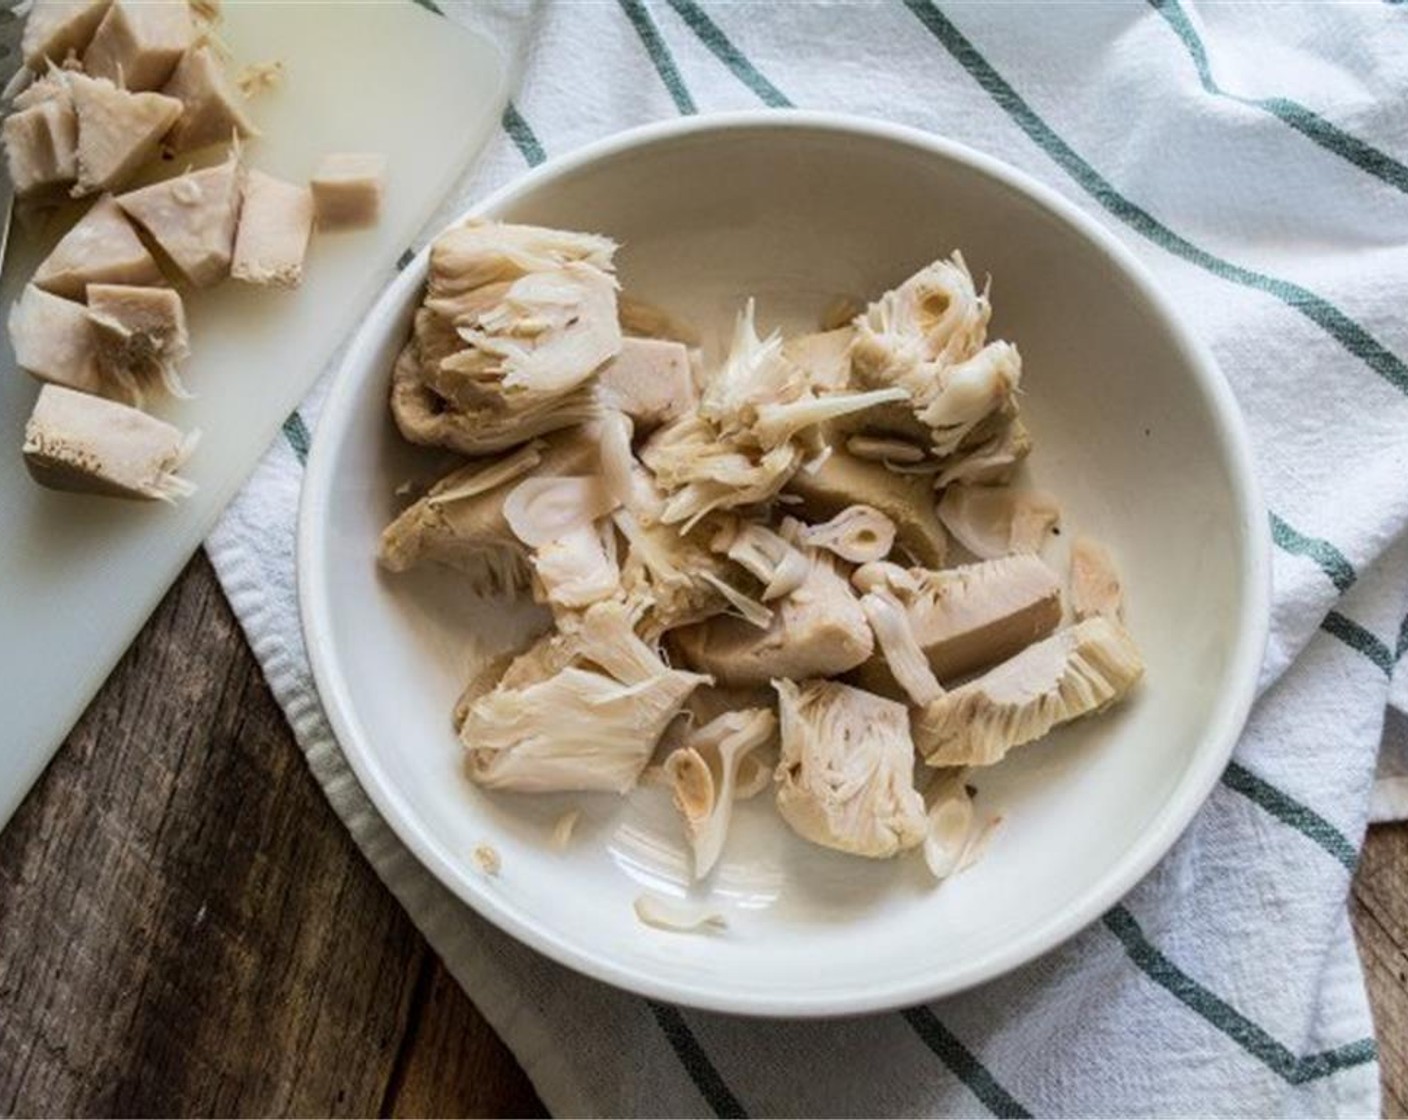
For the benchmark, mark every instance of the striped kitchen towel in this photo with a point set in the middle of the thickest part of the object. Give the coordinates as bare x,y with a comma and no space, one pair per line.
1256,159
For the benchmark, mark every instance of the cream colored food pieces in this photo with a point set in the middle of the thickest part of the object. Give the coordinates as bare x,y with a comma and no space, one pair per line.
276,221
41,147
192,218
140,42
118,131
52,341
750,557
101,248
75,441
54,29
347,190
140,337
211,112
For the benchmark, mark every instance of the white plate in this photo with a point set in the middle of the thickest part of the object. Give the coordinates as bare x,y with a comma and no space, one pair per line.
1134,429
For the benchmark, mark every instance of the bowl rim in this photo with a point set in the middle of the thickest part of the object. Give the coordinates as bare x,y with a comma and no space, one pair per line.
1206,765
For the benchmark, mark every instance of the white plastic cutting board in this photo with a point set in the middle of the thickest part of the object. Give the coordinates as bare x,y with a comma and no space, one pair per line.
79,575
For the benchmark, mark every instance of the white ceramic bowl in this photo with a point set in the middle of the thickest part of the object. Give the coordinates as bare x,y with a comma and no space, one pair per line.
1135,430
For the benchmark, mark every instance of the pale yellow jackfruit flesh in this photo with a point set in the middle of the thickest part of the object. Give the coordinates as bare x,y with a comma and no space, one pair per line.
991,462
211,114
689,535
56,28
648,380
276,221
928,336
139,43
119,132
972,617
52,340
860,534
1072,673
425,417
739,448
140,336
41,147
899,648
347,189
516,323
74,441
102,248
192,218
845,779
704,773
817,630
842,481
476,253
469,532
589,724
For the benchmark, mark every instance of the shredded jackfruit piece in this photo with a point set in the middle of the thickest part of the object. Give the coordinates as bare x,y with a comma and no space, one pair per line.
781,567
578,728
845,780
544,509
860,534
950,831
678,916
741,446
704,774
748,609
901,649
927,336
994,521
494,475
563,827
1072,673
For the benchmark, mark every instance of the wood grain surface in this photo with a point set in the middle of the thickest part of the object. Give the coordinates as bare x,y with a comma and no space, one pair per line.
187,929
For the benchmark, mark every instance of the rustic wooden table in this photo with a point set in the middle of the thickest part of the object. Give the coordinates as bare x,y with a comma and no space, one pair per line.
186,928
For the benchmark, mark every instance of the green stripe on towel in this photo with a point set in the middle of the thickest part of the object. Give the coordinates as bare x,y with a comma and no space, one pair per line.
296,432
946,1045
523,137
1359,639
1331,560
660,56
712,36
696,1062
1289,811
1310,124
1227,1019
1344,330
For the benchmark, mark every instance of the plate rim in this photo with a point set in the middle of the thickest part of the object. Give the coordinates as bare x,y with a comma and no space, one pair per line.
1207,764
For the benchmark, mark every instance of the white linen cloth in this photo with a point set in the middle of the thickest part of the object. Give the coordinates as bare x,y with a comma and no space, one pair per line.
1254,158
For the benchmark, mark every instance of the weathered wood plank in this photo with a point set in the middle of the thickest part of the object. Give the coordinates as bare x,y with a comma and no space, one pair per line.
187,928
1379,909
453,1061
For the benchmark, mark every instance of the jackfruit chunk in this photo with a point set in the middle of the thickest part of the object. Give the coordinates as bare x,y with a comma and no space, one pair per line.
102,248
1070,674
118,131
139,42
211,114
846,778
74,441
193,218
